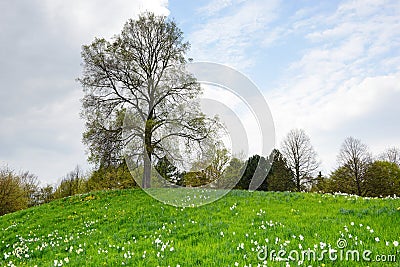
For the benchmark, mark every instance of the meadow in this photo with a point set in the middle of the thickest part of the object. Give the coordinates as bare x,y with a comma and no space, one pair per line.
128,227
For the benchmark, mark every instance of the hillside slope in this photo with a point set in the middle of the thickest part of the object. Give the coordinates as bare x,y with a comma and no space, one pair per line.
115,228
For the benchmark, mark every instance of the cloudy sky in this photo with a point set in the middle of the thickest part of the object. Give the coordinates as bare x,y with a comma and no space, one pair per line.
329,67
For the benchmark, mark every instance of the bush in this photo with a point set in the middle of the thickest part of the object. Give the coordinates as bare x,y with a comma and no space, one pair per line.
17,191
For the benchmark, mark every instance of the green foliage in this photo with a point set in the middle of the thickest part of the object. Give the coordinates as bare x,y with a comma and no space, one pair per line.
45,194
17,191
341,180
213,173
111,177
128,227
280,176
321,185
256,168
73,183
233,172
102,134
195,179
382,179
140,72
168,171
12,195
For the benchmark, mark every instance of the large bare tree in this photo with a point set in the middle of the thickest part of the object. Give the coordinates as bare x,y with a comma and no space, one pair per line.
392,155
141,72
301,157
355,157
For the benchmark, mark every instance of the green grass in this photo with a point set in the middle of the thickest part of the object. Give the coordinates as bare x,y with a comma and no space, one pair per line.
115,228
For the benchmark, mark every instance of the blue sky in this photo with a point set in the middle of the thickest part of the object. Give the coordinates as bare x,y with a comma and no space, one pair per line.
329,67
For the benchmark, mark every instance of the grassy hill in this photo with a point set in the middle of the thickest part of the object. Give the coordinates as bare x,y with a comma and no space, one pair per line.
116,228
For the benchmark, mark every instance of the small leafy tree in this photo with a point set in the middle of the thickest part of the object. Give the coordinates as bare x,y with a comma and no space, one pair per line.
382,178
17,191
233,172
73,183
45,194
111,177
341,180
12,195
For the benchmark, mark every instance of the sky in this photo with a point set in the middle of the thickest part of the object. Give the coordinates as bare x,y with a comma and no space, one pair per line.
331,68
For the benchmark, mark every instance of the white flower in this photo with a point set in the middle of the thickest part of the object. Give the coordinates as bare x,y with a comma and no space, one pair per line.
171,249
236,264
352,223
377,239
301,237
395,243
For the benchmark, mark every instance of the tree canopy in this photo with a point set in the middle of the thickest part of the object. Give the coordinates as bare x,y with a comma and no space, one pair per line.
140,75
301,157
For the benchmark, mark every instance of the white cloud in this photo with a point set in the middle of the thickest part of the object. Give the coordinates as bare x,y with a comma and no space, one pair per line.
345,78
216,6
237,116
92,18
229,37
365,110
40,53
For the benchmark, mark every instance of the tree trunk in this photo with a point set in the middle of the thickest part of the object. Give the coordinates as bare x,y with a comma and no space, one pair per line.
147,154
298,184
147,170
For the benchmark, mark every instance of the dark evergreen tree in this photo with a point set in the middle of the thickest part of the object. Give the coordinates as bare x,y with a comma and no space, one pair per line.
168,171
280,176
255,168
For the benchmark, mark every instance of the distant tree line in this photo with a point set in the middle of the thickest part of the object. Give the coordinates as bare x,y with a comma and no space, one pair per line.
293,167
